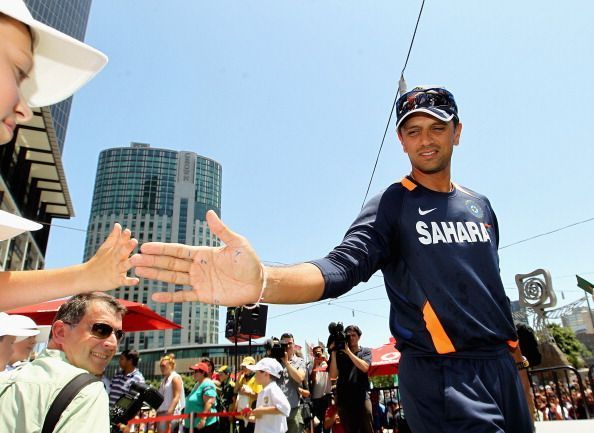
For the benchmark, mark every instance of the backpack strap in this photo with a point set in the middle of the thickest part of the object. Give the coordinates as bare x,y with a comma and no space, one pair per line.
63,399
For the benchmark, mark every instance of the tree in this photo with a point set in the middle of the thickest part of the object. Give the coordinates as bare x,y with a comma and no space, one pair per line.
569,344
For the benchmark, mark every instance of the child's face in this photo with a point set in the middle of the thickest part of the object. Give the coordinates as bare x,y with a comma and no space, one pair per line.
16,61
262,377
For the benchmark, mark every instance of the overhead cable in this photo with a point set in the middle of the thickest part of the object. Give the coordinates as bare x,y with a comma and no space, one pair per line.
401,88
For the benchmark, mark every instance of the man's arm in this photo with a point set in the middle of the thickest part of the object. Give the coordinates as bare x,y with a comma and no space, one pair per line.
297,374
333,365
106,270
361,364
230,275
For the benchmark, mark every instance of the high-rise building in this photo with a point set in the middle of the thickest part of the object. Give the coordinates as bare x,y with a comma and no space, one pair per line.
70,17
161,195
579,320
32,180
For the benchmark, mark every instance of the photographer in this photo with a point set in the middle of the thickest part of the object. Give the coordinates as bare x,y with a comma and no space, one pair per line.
291,378
350,365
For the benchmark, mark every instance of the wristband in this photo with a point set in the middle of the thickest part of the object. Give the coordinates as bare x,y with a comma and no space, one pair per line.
261,296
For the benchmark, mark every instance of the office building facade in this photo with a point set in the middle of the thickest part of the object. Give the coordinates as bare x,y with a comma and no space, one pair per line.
161,195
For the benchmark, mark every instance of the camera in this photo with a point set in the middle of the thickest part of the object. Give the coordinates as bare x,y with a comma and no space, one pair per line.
337,336
276,348
131,402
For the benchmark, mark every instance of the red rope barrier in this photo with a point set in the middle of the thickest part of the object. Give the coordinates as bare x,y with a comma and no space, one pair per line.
244,412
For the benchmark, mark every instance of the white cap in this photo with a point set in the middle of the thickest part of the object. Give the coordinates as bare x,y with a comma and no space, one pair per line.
18,326
12,225
269,365
61,64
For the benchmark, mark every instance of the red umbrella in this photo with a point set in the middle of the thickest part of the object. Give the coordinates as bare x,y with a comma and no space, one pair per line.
384,360
139,316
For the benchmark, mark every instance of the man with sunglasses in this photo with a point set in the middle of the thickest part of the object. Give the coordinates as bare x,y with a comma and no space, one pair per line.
84,338
436,245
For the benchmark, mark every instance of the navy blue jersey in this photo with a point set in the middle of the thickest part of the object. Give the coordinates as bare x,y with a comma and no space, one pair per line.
438,254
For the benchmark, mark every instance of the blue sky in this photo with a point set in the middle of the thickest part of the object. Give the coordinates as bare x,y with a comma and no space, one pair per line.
292,98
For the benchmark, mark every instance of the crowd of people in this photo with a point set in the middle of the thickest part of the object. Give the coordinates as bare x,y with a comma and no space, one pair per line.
325,390
556,402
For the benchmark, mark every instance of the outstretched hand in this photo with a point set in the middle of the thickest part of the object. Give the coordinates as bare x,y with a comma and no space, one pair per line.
108,268
230,275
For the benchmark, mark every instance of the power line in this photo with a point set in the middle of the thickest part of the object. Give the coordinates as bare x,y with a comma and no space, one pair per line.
360,311
393,104
547,233
326,302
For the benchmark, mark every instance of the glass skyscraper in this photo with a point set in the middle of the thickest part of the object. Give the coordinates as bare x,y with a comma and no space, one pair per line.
161,195
70,17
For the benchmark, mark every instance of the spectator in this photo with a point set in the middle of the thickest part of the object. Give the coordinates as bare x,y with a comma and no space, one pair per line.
554,410
350,365
174,396
290,380
202,399
211,367
247,390
378,411
12,333
331,417
23,350
320,387
392,409
128,375
226,392
272,406
85,335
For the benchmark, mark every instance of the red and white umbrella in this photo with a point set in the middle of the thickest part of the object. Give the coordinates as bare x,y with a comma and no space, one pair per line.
384,360
138,318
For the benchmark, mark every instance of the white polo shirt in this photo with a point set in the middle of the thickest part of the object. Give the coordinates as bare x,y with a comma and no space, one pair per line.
272,395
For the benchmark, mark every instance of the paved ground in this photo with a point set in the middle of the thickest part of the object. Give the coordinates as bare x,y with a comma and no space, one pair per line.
577,426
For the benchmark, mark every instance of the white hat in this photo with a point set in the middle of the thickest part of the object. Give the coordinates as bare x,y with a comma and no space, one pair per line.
12,225
25,322
17,326
269,365
61,64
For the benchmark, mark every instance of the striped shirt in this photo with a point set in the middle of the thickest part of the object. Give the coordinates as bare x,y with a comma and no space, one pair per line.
121,383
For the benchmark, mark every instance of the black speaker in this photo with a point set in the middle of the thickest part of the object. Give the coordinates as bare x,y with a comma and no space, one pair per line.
243,324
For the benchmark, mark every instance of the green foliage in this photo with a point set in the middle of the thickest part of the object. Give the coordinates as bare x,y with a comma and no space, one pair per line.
155,383
189,383
569,345
188,380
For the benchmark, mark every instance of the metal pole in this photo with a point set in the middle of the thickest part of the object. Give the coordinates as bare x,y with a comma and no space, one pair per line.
589,310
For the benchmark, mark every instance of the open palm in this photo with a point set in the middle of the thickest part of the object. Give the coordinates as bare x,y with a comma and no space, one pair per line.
229,275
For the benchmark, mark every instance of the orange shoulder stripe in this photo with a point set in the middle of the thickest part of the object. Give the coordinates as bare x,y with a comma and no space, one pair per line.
408,184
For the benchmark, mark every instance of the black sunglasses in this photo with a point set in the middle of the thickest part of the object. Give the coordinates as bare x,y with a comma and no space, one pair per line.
104,331
422,98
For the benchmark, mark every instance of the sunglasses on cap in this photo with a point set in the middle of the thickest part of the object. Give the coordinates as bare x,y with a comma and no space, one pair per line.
434,97
103,331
